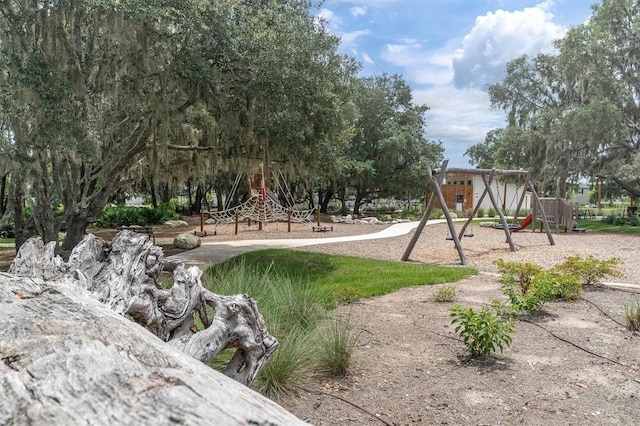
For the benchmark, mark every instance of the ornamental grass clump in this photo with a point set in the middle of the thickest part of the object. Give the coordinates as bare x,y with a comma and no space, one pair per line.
337,342
444,294
632,314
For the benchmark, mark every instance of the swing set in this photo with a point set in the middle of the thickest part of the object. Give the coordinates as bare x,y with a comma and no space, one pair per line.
487,176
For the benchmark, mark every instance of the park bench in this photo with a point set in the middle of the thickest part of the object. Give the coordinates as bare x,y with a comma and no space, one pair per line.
148,230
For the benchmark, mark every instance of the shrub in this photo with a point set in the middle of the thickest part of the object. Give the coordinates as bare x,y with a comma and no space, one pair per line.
480,213
591,270
619,221
114,216
528,287
485,331
520,274
632,313
609,220
556,285
634,220
444,294
492,212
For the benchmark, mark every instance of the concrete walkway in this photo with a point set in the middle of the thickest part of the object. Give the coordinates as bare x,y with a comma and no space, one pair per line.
210,253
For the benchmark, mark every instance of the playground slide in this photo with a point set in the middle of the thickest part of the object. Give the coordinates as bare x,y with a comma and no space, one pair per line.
525,222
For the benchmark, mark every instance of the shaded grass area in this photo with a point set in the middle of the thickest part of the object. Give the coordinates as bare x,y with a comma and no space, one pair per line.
338,279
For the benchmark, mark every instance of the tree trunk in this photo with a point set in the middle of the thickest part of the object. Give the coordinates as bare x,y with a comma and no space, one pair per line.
197,206
3,195
152,191
69,360
325,197
342,194
357,202
22,231
75,232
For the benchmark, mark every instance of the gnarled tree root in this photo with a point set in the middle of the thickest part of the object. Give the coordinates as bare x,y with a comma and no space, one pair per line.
125,276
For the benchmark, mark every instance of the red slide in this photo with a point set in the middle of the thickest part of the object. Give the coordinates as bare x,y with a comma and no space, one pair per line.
525,222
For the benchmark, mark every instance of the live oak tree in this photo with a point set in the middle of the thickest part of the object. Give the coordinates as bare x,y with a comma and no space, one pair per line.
389,152
99,94
574,114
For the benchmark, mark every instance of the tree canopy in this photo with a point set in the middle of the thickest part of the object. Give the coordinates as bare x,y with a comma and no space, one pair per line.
97,95
574,114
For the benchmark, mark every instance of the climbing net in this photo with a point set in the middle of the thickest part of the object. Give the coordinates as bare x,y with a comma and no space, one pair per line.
263,206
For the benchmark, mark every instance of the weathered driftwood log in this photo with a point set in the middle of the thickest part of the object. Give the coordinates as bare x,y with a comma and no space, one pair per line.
67,359
125,276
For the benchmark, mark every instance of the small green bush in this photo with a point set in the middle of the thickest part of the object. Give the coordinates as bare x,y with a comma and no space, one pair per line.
444,294
619,221
591,270
484,332
114,216
632,313
528,287
492,212
480,213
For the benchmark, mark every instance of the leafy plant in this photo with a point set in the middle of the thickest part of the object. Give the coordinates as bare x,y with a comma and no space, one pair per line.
485,331
528,286
632,314
591,270
518,274
444,294
114,216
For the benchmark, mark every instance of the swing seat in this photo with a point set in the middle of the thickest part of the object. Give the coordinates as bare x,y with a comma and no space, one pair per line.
468,235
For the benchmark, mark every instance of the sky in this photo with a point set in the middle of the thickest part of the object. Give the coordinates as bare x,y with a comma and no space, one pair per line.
449,51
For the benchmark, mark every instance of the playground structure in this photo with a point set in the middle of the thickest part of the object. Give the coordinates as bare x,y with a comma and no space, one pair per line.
558,211
262,206
487,176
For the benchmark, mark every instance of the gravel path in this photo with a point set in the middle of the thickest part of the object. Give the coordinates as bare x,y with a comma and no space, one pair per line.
486,245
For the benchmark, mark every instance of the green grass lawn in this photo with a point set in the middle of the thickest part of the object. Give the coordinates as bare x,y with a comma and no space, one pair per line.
336,279
597,225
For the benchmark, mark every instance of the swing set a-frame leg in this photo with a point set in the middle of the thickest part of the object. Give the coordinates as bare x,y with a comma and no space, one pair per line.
437,192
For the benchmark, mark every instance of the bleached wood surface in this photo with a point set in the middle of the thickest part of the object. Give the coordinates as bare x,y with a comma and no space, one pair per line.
66,359
70,356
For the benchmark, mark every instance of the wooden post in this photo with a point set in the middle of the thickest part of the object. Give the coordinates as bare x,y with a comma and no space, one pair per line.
475,209
503,219
538,205
318,214
237,214
289,220
201,220
427,212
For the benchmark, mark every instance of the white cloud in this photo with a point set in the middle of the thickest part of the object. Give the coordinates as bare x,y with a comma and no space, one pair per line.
459,117
367,59
349,40
358,11
500,36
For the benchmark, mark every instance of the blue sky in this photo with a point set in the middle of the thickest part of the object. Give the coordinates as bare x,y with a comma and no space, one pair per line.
448,51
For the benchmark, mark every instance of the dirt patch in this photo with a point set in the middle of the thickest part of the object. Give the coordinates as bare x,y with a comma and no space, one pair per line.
574,364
